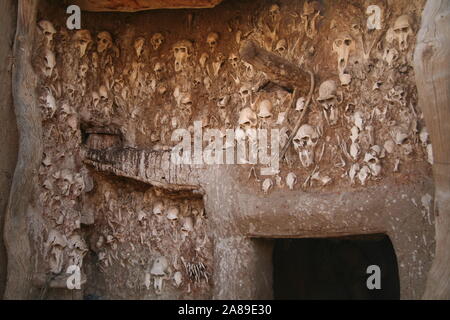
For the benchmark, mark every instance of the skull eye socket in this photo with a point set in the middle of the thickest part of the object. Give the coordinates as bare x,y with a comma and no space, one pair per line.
244,92
338,43
176,50
348,42
183,50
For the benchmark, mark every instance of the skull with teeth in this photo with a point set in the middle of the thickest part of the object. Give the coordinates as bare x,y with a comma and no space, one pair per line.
95,98
343,46
157,40
83,70
274,13
402,31
247,119
83,40
186,105
281,47
373,162
223,101
212,40
49,63
104,41
103,93
48,30
265,112
245,93
182,50
234,60
305,142
158,271
139,46
328,98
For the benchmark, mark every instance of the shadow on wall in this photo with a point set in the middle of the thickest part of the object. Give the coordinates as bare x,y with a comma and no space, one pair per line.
334,269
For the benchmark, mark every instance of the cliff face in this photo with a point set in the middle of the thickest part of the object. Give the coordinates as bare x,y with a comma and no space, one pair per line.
8,127
334,79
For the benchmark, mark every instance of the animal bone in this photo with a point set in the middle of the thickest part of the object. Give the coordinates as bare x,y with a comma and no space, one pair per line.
48,30
157,40
247,119
104,41
49,63
402,31
265,112
305,142
291,180
328,98
158,270
139,46
212,40
182,50
267,185
344,45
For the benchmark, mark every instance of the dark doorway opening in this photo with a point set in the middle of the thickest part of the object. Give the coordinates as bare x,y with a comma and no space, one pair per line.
334,268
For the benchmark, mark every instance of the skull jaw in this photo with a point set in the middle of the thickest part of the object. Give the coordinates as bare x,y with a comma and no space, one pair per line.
158,285
306,157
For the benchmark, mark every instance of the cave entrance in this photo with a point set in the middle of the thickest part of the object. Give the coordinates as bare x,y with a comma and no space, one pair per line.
334,268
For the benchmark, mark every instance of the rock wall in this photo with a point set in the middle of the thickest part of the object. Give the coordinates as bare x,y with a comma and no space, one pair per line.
8,129
111,96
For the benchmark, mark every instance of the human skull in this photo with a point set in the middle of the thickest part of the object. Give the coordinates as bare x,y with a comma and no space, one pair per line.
182,50
48,30
104,41
234,60
82,40
247,119
274,13
212,40
49,63
305,142
265,112
343,46
402,31
139,46
281,47
157,40
158,270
